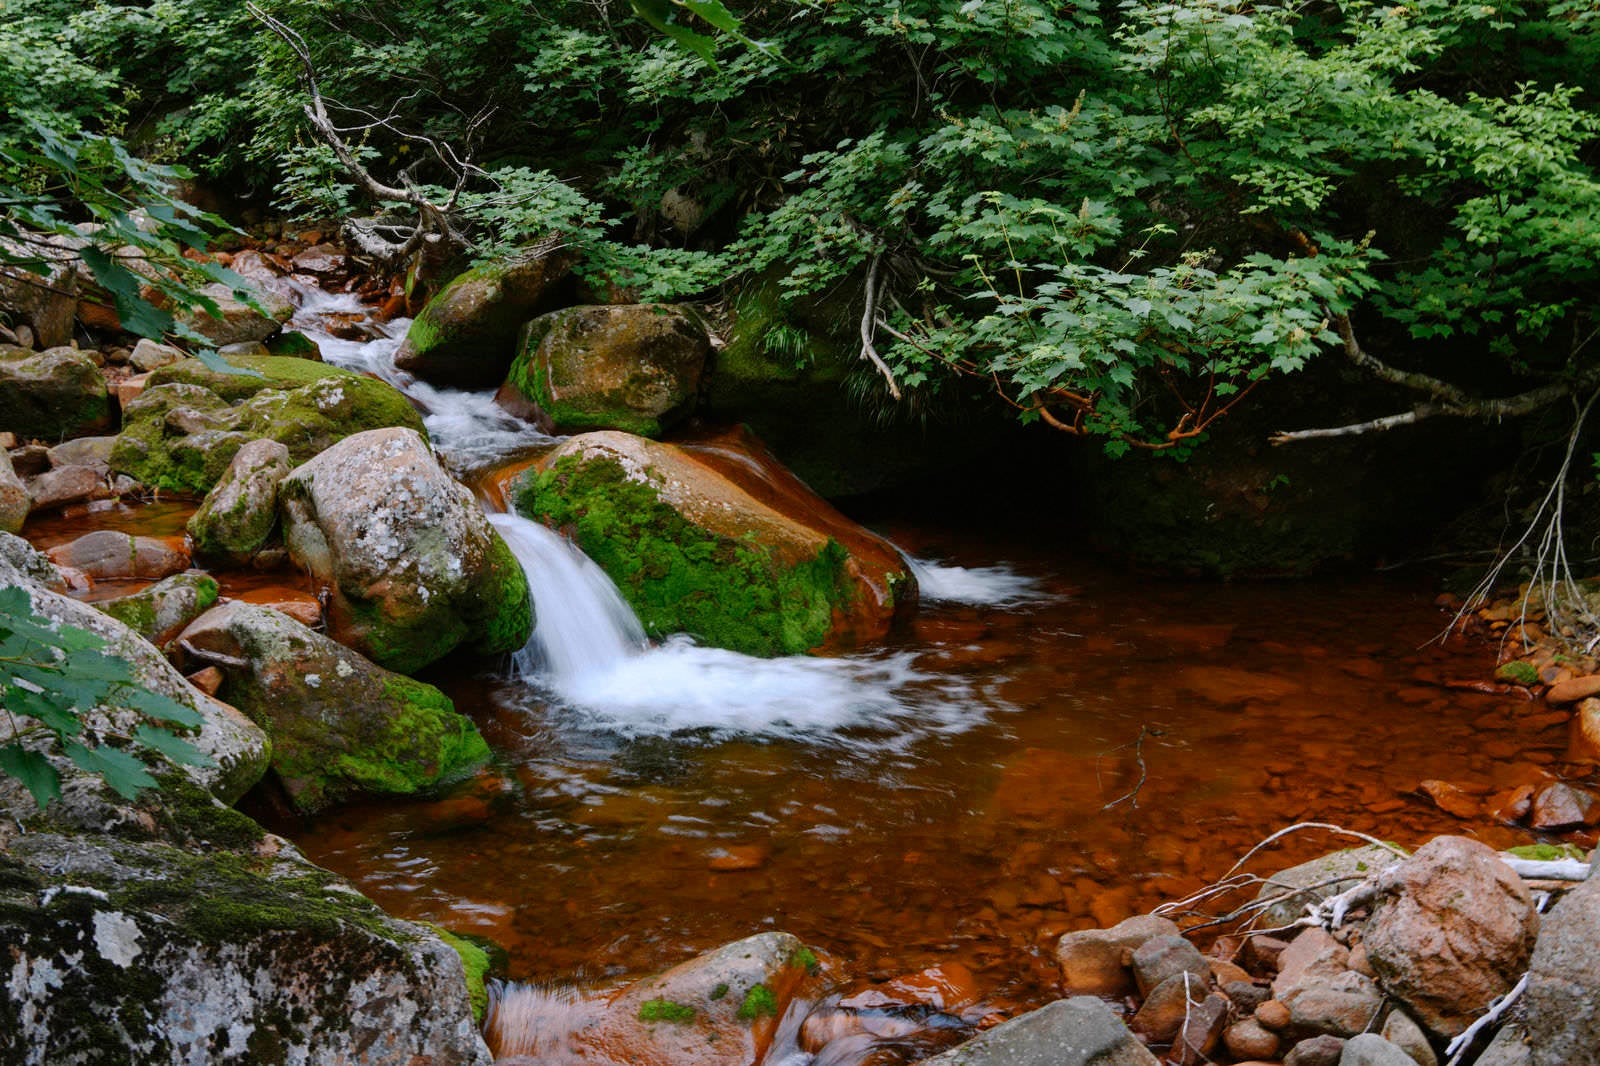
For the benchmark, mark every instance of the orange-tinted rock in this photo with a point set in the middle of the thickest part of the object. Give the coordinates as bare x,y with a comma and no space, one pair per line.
296,603
1166,1006
1561,806
1095,961
1512,805
1573,689
1451,799
948,987
1273,1015
107,554
1583,732
1229,684
1249,1039
207,680
738,857
1201,1031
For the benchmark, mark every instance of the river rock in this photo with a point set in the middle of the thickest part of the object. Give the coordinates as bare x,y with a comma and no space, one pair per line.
15,503
124,951
239,514
1583,732
66,485
1249,1039
1323,996
1165,1007
1200,1034
1562,1005
1082,1031
109,554
1319,879
633,367
1453,929
1508,1048
52,394
1404,1033
1094,962
717,540
93,452
719,1008
1561,806
1317,1051
413,567
238,748
159,612
1163,957
181,433
466,336
1370,1049
46,302
236,321
149,355
339,724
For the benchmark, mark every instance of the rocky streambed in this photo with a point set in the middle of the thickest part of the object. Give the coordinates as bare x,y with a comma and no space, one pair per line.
956,809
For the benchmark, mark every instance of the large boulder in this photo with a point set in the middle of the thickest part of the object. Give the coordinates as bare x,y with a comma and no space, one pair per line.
633,367
413,566
719,541
280,372
1312,882
236,322
46,301
1083,1031
15,503
129,950
181,434
466,336
51,394
1453,929
238,749
340,725
159,612
1562,1007
239,514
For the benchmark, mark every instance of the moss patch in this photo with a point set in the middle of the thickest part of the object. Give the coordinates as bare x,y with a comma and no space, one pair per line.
664,1010
1518,673
680,577
475,961
1547,852
277,372
758,1002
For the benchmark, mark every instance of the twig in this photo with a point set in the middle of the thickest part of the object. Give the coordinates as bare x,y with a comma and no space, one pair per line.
1457,1048
869,319
1138,753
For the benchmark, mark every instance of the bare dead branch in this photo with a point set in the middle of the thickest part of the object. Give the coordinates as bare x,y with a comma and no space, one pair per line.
869,321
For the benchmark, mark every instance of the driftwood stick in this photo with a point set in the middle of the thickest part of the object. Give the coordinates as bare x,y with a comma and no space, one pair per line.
1459,1046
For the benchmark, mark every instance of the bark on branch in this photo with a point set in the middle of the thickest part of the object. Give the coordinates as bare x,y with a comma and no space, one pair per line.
869,324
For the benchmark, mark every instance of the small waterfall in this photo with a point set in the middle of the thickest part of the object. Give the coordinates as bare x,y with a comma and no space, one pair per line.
585,628
991,586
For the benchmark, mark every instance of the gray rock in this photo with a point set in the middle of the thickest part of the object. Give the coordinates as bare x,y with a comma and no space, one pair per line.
1404,1033
48,302
1095,961
1369,1049
239,514
1562,1004
243,954
1319,879
236,321
15,503
1453,929
148,355
67,485
1317,1051
84,451
1509,1048
1164,957
1069,1032
110,554
1324,997
159,612
414,567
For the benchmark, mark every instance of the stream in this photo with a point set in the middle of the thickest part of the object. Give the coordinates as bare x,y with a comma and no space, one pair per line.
1050,745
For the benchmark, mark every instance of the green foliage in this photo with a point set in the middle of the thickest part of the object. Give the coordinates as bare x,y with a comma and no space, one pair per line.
54,674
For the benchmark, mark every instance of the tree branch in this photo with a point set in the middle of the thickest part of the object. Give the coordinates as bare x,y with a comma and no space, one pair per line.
869,318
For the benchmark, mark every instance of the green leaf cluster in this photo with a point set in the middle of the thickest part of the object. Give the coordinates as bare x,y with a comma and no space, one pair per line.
54,674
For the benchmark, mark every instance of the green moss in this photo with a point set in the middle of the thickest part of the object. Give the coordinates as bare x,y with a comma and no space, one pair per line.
293,344
758,1002
277,372
475,962
806,959
664,1010
718,992
1518,673
187,813
138,613
421,744
503,612
682,578
1547,852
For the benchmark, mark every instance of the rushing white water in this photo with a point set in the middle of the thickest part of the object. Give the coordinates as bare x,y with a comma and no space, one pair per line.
468,428
589,651
997,585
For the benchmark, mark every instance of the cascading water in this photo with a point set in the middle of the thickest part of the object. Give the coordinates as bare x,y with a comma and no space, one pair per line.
992,586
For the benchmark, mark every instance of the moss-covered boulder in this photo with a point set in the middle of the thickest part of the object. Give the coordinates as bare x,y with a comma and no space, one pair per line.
51,395
159,612
633,367
413,566
238,516
137,951
180,434
236,322
340,725
717,540
466,336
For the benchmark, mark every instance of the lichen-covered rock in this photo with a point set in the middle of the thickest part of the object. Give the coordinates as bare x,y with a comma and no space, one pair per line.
340,725
1319,879
718,1009
1069,1032
52,394
413,567
1562,1006
236,321
159,612
633,367
239,749
181,435
66,485
239,514
15,503
717,540
111,554
466,336
1453,929
121,951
